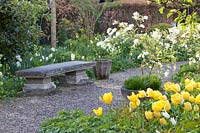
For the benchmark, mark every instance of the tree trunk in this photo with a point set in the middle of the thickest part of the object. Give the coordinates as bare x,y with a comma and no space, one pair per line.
53,23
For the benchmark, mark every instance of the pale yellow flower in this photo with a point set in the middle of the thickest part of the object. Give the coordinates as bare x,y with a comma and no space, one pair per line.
189,87
187,106
167,106
157,114
192,99
133,97
141,94
162,97
134,105
158,106
98,111
176,98
167,86
150,92
156,95
175,87
106,98
149,115
187,81
196,108
185,95
163,121
197,99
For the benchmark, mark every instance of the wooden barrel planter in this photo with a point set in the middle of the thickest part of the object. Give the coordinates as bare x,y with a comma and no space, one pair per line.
102,68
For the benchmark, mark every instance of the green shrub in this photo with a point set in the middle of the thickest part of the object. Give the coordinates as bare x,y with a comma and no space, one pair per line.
143,82
11,86
135,83
153,82
160,26
20,26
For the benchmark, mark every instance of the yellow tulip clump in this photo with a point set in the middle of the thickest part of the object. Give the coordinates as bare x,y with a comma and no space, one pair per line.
159,106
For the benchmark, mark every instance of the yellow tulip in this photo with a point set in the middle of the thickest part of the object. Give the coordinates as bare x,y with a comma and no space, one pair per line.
134,105
192,99
98,111
176,98
198,84
167,106
175,87
132,97
149,115
187,106
167,86
107,98
158,106
196,108
185,95
150,92
157,114
163,121
141,94
162,97
187,81
197,99
189,87
156,95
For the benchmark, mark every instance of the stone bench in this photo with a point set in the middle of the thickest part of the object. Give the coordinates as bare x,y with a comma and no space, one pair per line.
38,79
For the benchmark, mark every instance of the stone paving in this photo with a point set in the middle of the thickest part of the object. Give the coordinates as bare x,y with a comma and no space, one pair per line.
24,114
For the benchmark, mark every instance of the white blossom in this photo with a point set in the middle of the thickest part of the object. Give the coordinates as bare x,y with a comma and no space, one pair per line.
146,17
18,64
53,49
1,74
141,26
166,115
51,55
72,56
173,121
156,34
136,16
115,22
109,30
136,41
18,57
112,31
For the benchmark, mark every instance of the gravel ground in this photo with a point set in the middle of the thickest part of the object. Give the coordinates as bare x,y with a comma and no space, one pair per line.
24,114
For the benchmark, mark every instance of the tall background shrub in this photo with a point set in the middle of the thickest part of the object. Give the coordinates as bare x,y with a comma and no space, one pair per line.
20,25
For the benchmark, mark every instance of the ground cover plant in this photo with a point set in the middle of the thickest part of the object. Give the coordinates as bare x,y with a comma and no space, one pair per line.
191,71
176,110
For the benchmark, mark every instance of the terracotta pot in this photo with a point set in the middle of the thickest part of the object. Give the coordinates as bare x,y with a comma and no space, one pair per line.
102,68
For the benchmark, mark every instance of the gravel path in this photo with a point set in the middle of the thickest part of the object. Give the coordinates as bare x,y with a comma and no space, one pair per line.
24,114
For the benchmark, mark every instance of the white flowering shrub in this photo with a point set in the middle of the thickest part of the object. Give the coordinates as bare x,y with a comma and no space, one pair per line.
120,39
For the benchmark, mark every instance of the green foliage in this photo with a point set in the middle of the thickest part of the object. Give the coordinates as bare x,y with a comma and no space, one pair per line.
187,71
143,82
11,87
77,121
20,25
160,26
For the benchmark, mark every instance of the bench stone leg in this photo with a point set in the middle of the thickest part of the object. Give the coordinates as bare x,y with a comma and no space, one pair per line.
76,78
39,86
